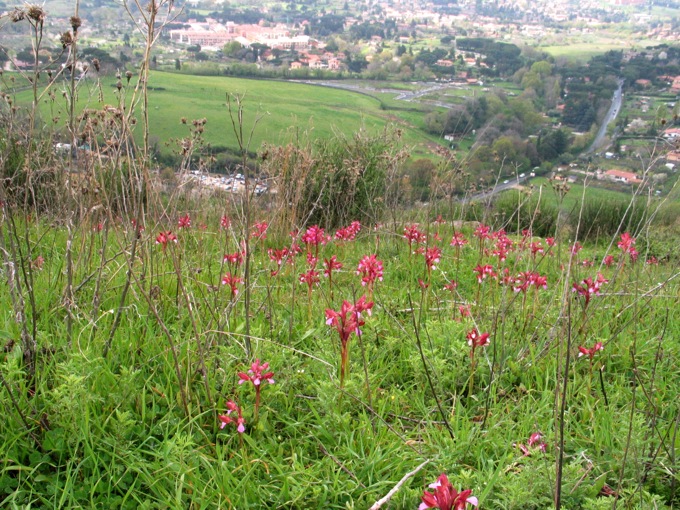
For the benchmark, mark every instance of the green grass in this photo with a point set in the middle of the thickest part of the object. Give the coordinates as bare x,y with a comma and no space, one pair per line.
115,433
284,110
578,193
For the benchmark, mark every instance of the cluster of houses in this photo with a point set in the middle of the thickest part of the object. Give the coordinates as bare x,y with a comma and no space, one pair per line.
213,35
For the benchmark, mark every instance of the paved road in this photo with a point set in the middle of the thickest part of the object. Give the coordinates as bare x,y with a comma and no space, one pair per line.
501,186
614,110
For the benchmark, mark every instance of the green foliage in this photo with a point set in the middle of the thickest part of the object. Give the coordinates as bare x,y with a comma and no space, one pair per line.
350,179
516,212
603,219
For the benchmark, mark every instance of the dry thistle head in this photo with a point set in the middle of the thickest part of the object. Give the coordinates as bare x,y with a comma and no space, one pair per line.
95,63
119,85
17,15
36,13
128,75
152,7
76,22
66,39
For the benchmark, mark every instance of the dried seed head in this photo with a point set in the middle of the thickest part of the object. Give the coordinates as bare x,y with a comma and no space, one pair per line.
36,13
76,22
119,84
66,39
17,15
95,63
128,75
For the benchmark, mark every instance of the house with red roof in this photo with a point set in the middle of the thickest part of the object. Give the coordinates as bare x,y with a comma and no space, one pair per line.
622,176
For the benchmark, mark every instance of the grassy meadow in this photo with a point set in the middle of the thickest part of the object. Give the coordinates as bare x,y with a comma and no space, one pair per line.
579,370
277,111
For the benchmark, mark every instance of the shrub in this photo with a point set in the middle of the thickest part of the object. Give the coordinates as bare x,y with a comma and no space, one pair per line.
515,213
597,219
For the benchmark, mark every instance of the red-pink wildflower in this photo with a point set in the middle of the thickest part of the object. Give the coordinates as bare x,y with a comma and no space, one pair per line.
139,228
239,421
370,269
464,311
235,259
608,260
184,221
232,281
311,278
587,263
534,443
98,227
423,285
575,248
458,240
526,279
432,257
315,236
225,222
652,261
164,238
626,243
451,286
482,232
445,497
312,260
259,230
501,252
331,265
484,271
583,351
536,248
506,278
347,321
476,339
278,256
349,232
414,236
588,287
257,373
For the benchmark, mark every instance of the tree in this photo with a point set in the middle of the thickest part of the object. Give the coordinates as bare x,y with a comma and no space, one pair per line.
232,48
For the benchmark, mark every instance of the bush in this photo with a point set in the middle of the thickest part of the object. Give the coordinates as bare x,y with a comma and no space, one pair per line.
597,219
515,213
336,181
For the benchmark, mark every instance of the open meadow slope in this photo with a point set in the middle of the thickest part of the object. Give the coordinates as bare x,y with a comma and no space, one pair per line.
284,111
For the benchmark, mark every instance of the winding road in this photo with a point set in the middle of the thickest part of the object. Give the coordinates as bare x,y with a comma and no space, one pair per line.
614,110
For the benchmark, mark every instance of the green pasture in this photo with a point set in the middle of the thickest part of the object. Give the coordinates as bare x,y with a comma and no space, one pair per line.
577,193
583,51
274,111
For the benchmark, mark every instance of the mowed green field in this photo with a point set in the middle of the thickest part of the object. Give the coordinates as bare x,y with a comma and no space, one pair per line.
576,194
283,111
